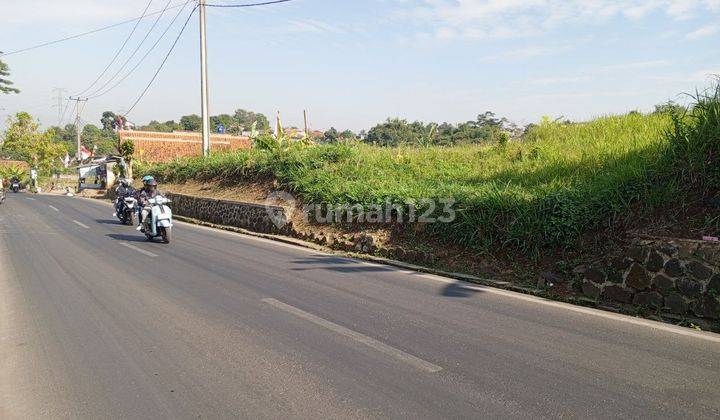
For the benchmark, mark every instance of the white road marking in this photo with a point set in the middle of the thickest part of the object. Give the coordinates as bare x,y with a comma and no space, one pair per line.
82,225
54,208
30,198
704,335
361,338
140,250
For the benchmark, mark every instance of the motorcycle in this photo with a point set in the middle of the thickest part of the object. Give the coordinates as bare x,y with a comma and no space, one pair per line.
15,186
126,209
158,221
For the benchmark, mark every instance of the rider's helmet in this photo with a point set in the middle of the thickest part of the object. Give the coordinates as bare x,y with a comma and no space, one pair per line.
151,185
147,178
124,182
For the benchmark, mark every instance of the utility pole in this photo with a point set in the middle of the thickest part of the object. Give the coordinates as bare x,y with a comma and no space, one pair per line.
307,132
204,84
59,105
78,100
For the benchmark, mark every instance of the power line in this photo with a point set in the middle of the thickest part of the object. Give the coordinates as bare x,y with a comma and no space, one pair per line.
264,3
62,118
140,44
122,47
132,70
163,62
71,37
59,98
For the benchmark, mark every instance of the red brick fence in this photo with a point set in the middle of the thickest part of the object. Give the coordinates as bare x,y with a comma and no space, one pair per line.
156,147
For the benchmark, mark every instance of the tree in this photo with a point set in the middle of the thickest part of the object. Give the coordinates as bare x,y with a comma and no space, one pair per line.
670,107
108,120
191,122
166,127
103,141
347,135
395,131
225,120
5,84
243,120
23,141
331,136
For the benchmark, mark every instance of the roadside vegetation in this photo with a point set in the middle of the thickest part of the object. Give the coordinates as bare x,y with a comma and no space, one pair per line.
548,188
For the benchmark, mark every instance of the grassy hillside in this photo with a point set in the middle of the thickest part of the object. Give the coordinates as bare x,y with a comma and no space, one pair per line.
561,181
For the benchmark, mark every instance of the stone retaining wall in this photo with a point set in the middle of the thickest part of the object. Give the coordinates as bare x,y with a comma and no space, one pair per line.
671,275
249,216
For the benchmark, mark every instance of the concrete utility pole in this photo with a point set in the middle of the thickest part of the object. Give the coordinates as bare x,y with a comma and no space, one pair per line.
307,132
59,105
78,155
204,84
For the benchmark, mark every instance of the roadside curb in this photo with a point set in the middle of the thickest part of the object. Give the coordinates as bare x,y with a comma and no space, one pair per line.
662,317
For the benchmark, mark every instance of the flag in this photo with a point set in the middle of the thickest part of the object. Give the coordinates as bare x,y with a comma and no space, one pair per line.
85,153
278,126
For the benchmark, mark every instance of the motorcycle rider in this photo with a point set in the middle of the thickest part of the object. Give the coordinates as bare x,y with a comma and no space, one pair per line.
124,189
14,180
148,191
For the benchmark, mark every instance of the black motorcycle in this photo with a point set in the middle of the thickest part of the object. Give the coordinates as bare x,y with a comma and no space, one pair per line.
126,207
15,186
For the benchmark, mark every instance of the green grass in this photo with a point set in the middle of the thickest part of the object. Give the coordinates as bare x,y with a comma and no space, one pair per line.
560,182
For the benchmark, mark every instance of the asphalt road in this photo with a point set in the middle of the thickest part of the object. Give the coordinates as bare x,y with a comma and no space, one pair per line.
95,322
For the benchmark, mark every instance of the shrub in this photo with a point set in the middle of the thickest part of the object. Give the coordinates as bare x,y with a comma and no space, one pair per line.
563,181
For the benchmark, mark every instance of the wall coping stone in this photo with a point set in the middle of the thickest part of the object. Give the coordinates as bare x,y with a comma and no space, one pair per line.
222,201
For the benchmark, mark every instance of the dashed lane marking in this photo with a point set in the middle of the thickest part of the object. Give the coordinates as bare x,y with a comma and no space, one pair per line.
82,225
356,336
140,250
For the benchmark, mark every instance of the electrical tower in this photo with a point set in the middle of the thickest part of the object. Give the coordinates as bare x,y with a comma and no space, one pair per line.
59,97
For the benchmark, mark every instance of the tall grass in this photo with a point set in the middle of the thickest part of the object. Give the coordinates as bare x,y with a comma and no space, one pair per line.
548,190
694,151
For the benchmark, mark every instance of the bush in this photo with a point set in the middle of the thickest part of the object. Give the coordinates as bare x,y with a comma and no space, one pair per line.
563,181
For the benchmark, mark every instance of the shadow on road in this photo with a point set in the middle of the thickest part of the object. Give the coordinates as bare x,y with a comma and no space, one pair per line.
341,265
459,290
138,237
108,221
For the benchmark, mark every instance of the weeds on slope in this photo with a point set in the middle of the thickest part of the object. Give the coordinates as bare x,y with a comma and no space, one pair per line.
560,182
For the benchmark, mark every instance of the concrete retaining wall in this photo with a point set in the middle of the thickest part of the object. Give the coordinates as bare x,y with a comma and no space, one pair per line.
673,275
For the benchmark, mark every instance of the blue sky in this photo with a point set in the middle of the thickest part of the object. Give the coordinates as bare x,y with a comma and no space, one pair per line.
353,63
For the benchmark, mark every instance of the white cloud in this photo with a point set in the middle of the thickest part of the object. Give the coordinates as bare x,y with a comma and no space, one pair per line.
528,52
313,26
66,13
637,65
560,80
484,19
703,32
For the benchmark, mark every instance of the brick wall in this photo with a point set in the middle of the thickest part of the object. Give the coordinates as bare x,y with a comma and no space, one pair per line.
11,163
154,147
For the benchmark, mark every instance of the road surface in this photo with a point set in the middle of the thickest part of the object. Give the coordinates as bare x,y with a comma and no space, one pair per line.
95,322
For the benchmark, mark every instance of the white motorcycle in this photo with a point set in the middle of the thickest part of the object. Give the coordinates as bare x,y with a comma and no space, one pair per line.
158,221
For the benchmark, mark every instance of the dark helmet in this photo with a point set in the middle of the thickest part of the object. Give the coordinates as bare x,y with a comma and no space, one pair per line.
124,182
151,185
